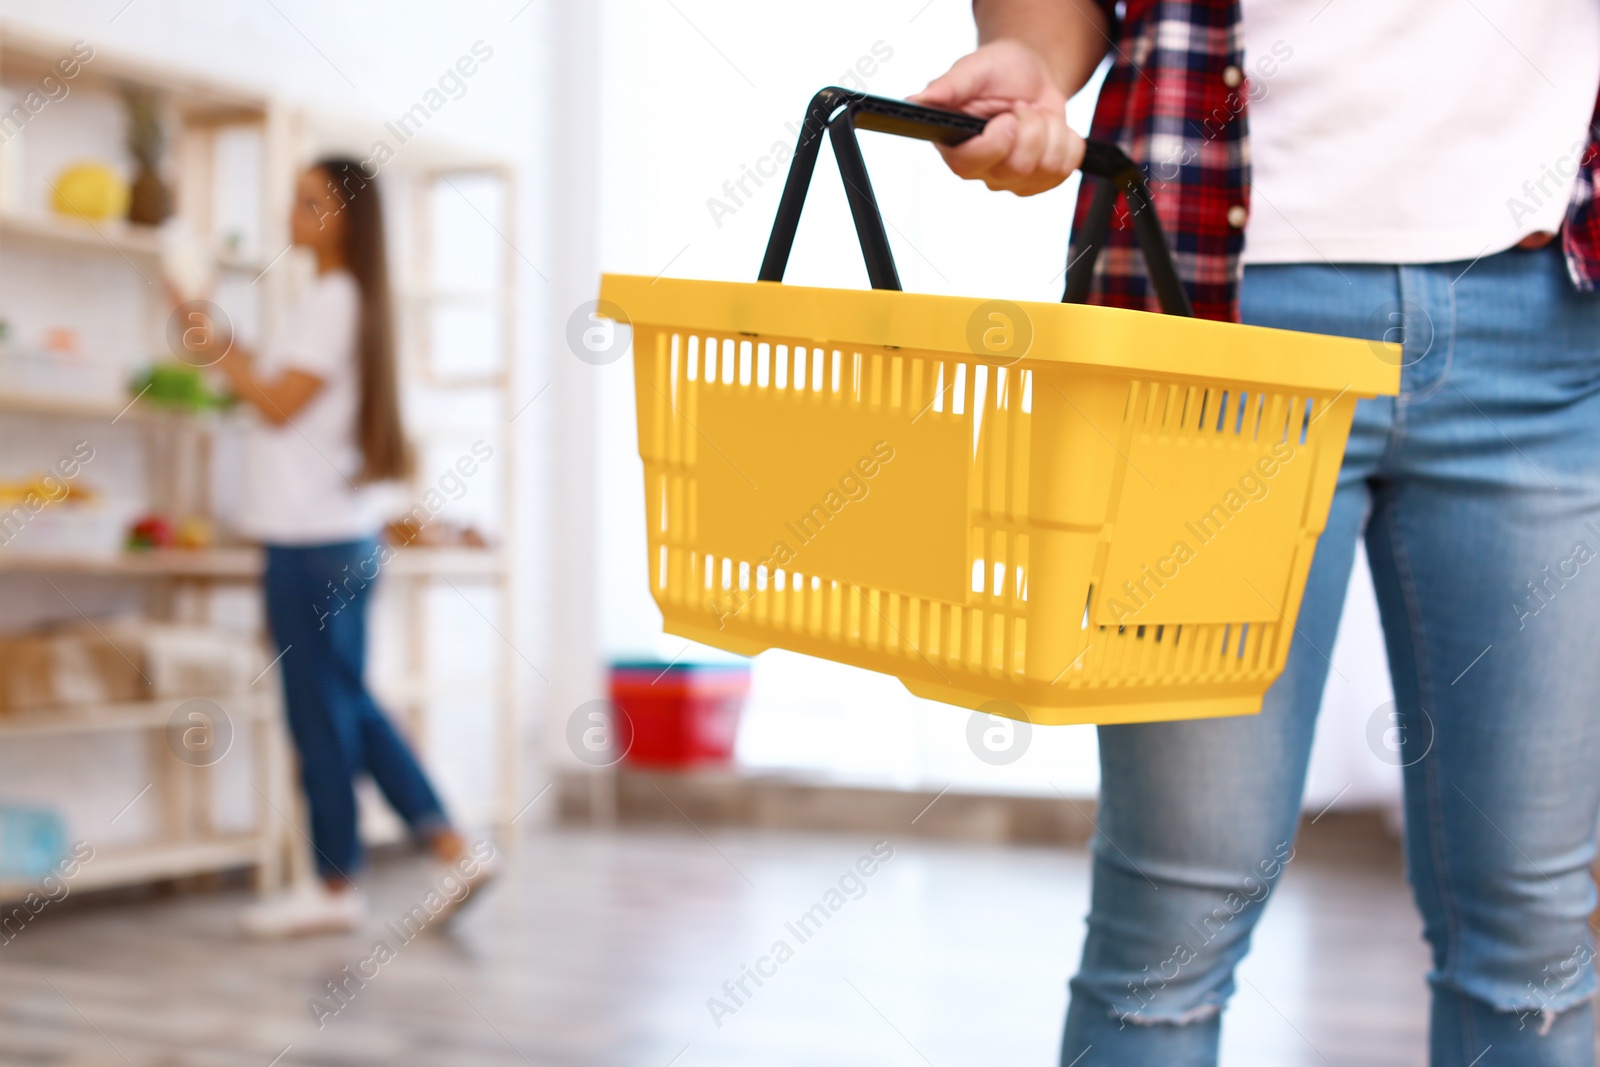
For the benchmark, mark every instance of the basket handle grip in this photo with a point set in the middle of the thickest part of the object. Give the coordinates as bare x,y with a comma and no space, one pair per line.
840,112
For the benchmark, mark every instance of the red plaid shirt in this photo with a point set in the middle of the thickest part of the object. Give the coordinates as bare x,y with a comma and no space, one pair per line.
1168,103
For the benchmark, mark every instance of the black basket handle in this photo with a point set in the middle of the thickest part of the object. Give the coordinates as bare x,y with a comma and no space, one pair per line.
840,112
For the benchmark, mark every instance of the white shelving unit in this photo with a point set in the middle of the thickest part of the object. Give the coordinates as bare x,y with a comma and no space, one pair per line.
204,119
102,281
188,842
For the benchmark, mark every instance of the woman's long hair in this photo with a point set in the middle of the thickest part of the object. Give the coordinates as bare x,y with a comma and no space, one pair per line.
384,452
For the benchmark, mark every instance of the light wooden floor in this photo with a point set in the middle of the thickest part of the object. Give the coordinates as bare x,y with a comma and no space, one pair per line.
602,949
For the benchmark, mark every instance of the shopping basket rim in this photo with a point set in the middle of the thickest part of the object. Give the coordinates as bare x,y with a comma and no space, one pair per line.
1081,334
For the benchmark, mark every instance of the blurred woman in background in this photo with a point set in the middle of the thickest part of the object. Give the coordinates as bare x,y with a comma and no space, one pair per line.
326,430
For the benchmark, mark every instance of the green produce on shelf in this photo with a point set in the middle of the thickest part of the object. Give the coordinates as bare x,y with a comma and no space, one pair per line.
177,385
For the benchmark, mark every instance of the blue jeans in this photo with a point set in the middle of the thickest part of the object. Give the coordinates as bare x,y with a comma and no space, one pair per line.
1477,491
317,599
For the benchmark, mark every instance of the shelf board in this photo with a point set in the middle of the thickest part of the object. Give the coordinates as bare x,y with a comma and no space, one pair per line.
245,564
27,56
136,242
236,563
120,409
133,242
133,715
253,265
62,404
146,862
447,563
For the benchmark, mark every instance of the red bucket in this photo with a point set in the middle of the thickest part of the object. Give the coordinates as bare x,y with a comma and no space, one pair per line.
678,715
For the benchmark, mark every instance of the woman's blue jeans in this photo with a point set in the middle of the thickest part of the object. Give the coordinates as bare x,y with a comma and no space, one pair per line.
1477,491
317,598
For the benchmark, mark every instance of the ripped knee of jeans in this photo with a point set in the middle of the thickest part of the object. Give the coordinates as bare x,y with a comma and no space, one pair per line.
1540,1019
1139,1017
1540,1010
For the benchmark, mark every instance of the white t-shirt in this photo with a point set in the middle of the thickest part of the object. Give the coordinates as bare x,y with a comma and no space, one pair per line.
1413,131
299,485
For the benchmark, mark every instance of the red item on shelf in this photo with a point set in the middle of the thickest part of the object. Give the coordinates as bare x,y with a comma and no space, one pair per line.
150,531
678,715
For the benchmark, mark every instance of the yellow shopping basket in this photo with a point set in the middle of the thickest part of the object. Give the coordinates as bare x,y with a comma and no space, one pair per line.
1055,512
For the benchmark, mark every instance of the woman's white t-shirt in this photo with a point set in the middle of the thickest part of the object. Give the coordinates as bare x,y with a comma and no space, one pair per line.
300,478
1413,131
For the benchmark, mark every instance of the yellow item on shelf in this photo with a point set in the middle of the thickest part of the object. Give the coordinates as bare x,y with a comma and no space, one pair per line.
46,488
90,191
195,531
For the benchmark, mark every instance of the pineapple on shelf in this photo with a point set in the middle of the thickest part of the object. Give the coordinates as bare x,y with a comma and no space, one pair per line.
149,200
